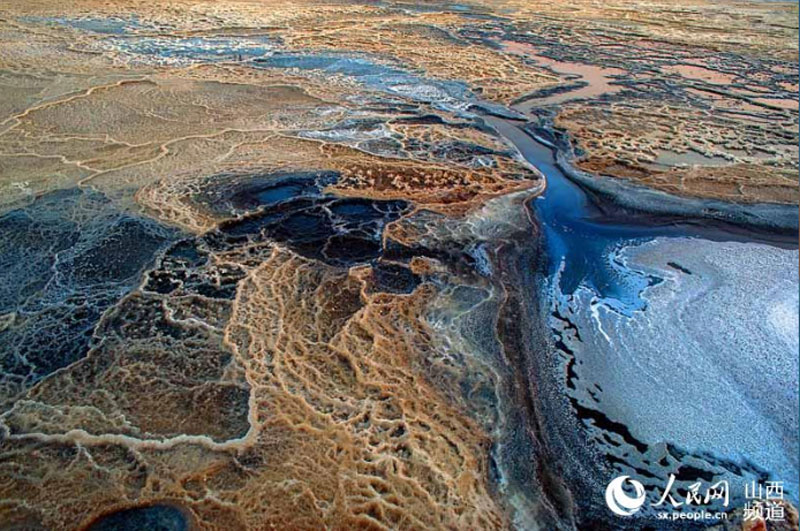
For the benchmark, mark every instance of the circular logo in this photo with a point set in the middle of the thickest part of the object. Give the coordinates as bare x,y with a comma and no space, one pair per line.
619,501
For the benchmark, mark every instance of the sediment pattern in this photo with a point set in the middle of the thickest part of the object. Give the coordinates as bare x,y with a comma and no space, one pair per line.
66,258
274,266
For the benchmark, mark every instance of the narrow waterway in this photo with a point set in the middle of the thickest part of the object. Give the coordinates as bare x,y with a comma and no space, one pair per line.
658,327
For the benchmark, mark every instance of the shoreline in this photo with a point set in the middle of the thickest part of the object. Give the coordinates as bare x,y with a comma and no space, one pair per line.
780,219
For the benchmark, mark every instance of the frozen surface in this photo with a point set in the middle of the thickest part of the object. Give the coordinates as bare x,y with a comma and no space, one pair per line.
710,364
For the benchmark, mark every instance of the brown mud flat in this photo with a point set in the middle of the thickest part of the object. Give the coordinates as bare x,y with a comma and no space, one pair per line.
301,352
